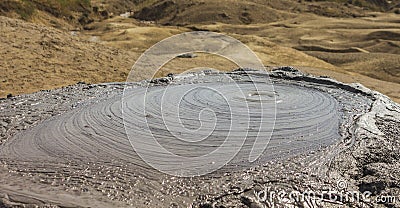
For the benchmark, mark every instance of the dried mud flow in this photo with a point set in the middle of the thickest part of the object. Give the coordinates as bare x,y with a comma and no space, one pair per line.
68,147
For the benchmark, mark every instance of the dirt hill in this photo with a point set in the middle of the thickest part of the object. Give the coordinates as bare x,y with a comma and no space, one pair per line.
68,14
35,57
77,13
182,12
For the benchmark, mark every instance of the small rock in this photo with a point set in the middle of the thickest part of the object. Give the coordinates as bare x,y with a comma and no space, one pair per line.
164,80
287,69
4,124
206,205
187,55
250,202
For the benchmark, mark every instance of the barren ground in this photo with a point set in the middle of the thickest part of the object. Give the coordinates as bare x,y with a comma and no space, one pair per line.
56,168
364,50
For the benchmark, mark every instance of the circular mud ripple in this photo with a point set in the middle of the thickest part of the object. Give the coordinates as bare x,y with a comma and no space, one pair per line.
306,119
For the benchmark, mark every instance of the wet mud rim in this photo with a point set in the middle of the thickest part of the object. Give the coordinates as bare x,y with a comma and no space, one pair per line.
364,116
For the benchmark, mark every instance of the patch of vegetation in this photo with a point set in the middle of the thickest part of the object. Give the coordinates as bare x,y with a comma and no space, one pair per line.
63,8
24,9
57,8
376,5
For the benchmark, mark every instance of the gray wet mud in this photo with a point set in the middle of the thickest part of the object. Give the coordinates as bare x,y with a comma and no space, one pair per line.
71,143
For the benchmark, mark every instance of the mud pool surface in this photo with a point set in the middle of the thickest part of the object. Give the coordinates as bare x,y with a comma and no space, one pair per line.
69,147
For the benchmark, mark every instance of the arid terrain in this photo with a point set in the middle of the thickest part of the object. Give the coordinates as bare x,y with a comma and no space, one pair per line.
64,141
66,42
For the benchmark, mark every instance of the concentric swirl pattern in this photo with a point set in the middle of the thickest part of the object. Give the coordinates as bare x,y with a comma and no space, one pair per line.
198,127
204,123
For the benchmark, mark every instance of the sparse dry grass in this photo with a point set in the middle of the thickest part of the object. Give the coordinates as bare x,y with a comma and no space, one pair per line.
363,49
36,57
59,8
201,62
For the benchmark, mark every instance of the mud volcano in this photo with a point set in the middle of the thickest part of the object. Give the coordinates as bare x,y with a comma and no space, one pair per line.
190,117
88,148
